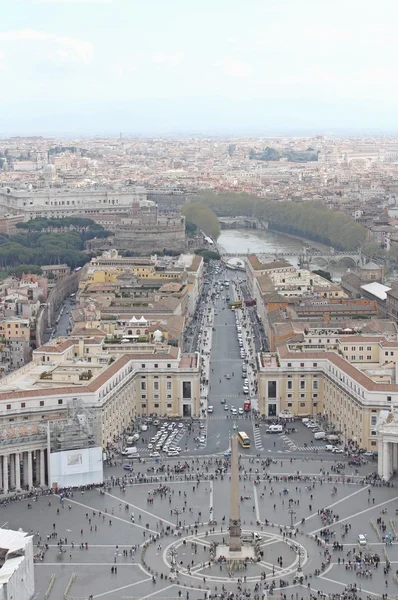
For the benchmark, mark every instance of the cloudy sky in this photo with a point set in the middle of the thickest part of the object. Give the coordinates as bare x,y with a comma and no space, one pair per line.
198,66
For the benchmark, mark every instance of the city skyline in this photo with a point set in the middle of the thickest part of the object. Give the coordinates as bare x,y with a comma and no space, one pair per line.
101,66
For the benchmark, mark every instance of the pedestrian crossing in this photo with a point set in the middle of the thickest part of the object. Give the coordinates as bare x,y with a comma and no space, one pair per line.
257,438
293,447
288,441
216,396
224,416
223,360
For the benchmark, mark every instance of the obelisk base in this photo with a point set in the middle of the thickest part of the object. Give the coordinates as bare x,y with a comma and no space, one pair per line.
244,553
235,541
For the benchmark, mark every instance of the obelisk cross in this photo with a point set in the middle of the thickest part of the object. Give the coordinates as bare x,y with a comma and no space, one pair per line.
235,542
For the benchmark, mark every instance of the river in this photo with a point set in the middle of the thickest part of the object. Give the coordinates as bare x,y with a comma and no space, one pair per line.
246,241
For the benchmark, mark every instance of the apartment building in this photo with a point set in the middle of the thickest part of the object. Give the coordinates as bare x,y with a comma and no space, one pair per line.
114,384
351,381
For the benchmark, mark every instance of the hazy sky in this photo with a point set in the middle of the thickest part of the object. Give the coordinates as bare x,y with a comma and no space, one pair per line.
197,65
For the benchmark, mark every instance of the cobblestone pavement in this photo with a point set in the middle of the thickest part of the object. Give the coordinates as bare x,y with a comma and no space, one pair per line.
105,522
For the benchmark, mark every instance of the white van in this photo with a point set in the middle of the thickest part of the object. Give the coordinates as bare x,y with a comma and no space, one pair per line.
319,435
132,438
329,447
130,451
275,429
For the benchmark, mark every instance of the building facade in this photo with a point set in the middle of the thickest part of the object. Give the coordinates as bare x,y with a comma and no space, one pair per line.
84,376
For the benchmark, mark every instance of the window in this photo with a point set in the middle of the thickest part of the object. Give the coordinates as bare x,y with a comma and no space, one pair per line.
8,406
315,404
168,396
369,348
290,404
302,384
314,364
368,357
290,385
60,401
388,398
156,396
290,395
346,348
143,405
315,395
302,395
373,420
186,389
361,357
301,364
168,385
302,404
169,365
143,386
41,402
289,364
156,405
156,386
23,404
143,396
143,366
373,433
169,406
272,389
373,443
156,366
315,384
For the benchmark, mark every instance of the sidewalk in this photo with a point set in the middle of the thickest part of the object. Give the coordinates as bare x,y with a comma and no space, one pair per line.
204,357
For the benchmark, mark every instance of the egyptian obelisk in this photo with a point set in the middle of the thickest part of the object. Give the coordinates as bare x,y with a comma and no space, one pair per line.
235,542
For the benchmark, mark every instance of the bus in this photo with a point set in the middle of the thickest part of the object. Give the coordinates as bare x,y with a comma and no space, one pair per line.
234,305
247,405
251,302
243,439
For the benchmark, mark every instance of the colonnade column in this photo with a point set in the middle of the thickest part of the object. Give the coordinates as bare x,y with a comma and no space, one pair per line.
17,471
386,460
12,471
5,473
30,469
25,468
1,472
42,468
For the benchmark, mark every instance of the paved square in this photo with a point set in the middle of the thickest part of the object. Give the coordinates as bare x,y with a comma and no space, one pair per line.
118,526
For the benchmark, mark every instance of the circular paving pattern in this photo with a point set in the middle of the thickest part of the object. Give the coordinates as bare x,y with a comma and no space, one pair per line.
185,559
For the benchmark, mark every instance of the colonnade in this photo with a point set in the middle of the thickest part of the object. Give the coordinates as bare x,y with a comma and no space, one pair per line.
388,458
23,470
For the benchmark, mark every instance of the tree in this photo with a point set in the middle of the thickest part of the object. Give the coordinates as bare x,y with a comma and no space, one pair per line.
203,217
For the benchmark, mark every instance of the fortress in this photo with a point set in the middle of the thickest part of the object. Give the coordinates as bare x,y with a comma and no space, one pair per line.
142,229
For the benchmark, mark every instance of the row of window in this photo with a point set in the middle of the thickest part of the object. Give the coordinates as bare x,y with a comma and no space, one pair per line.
156,386
360,348
41,403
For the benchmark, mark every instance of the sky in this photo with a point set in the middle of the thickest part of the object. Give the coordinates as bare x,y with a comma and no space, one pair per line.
235,67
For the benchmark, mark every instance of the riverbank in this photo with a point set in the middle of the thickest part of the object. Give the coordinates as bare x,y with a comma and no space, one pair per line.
318,245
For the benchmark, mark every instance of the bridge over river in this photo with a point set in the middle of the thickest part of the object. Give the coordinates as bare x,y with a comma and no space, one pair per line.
308,257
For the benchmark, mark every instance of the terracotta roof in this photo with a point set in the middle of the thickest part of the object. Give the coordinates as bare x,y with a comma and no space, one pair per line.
98,381
59,347
196,262
342,364
171,286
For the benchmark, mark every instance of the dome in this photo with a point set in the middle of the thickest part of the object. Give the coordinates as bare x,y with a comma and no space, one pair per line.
157,335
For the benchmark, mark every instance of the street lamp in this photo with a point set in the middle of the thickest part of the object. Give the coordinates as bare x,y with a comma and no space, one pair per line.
292,514
299,569
177,512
